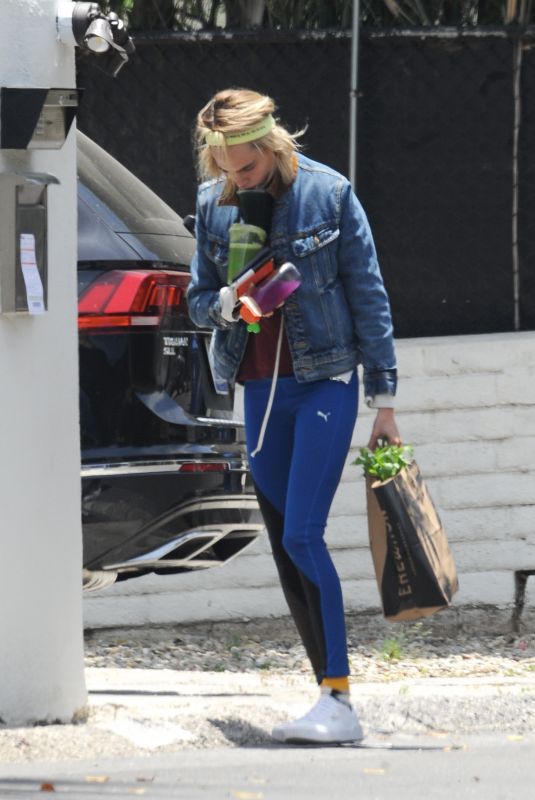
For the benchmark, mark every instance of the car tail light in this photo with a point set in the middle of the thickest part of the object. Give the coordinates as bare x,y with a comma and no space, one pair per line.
130,298
208,466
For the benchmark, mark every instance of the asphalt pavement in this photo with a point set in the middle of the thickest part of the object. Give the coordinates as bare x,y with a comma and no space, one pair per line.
491,767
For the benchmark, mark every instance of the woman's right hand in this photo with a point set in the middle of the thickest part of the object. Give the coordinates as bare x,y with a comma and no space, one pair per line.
228,301
384,427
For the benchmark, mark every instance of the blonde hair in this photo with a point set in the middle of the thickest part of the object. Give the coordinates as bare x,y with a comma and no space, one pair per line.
233,111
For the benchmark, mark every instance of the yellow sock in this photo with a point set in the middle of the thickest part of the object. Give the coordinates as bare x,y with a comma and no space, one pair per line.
340,684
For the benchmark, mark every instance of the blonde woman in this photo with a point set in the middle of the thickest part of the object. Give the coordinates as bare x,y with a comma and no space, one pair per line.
300,372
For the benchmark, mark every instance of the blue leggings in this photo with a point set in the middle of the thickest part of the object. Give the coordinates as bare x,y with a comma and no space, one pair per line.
296,474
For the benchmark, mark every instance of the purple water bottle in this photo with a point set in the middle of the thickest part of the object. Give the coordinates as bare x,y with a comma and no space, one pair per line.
273,291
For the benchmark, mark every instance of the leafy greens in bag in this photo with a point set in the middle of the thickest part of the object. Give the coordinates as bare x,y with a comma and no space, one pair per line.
386,461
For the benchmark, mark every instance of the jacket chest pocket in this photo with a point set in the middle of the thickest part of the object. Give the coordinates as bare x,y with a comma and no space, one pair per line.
318,252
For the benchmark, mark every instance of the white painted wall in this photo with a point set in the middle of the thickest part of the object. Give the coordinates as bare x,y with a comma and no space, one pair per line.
467,404
41,642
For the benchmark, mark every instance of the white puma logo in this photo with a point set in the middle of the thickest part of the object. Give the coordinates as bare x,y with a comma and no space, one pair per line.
324,415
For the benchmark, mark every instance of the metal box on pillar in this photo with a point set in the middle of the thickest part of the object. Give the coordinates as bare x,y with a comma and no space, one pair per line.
30,119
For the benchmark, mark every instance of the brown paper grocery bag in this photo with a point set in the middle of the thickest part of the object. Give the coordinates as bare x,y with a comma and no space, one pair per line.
414,568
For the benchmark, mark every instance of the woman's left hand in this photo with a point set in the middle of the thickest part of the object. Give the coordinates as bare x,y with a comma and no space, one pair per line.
384,427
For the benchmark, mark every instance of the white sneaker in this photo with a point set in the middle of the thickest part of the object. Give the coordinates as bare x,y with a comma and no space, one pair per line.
330,721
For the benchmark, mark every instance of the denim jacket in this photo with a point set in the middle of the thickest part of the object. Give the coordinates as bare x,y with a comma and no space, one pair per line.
339,317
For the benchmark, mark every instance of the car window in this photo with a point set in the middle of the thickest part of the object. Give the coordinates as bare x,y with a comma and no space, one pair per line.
137,208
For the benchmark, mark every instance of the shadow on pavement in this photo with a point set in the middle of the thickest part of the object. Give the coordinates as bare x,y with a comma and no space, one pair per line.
166,693
241,733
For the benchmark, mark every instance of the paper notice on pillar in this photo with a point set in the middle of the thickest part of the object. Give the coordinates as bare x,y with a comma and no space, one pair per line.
30,273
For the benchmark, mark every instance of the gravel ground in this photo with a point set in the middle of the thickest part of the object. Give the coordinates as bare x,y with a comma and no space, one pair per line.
166,689
449,645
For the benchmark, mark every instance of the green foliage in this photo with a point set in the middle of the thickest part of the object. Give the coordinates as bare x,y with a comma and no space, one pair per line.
427,13
310,14
198,15
386,461
392,648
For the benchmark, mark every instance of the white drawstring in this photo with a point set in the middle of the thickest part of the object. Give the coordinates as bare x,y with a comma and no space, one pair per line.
269,406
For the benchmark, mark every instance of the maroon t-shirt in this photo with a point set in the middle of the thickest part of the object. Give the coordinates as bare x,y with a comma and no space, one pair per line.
259,359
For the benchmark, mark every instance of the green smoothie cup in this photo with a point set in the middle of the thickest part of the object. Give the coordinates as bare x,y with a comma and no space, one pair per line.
245,242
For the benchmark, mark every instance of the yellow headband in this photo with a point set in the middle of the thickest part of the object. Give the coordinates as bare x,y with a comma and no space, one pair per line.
219,139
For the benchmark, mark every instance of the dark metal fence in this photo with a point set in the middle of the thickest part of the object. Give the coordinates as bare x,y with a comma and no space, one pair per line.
526,216
436,116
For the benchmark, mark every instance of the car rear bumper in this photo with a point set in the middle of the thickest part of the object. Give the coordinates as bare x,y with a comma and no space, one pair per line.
167,515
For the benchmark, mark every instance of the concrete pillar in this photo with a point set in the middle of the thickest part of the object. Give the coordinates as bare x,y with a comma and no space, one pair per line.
41,635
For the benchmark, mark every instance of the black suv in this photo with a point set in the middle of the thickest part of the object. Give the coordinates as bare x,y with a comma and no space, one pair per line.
165,484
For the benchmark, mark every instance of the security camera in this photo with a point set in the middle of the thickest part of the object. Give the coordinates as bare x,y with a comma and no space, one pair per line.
86,26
